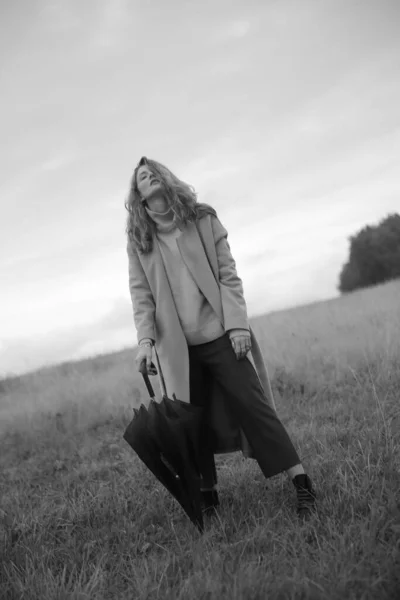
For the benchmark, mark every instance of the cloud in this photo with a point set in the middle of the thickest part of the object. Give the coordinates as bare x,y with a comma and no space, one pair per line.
232,30
112,331
58,161
61,17
111,25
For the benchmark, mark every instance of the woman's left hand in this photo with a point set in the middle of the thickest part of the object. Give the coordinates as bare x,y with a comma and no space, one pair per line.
241,342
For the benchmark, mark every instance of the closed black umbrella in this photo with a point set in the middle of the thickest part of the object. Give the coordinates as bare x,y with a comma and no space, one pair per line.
140,439
166,437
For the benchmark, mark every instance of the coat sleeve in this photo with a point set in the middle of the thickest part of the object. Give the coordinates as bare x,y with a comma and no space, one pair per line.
233,302
142,298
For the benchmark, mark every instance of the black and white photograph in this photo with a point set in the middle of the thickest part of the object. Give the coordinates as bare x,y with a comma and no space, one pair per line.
200,300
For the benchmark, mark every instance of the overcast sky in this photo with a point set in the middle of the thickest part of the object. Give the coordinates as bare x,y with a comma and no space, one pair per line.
284,115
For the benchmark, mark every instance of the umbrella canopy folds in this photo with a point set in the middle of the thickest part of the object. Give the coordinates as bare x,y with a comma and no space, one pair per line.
141,441
166,438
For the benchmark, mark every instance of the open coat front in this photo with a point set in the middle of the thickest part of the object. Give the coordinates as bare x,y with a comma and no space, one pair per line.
206,253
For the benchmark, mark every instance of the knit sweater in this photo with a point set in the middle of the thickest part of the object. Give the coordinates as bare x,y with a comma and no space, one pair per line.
200,324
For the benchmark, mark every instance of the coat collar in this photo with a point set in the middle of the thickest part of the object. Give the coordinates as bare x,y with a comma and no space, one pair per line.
197,261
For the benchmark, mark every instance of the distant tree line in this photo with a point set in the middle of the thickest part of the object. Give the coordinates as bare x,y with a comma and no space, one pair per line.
374,256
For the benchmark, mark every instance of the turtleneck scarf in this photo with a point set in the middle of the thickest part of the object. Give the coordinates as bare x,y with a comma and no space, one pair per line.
199,322
164,221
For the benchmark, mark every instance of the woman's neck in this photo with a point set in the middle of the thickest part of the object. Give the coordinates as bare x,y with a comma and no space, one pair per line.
164,220
158,204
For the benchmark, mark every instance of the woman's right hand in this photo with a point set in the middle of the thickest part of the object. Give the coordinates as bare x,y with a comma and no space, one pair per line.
145,353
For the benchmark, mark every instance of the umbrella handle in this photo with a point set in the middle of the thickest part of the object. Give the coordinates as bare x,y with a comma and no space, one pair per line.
145,375
160,374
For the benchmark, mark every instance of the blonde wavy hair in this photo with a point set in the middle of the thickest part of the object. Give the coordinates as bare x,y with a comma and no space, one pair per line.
181,198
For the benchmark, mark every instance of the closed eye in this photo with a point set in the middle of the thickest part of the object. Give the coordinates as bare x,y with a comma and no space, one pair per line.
144,175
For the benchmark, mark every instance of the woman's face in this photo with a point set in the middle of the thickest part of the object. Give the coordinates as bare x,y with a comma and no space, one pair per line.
147,183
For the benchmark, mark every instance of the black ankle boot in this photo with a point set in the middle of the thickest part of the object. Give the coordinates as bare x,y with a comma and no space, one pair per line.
306,496
210,501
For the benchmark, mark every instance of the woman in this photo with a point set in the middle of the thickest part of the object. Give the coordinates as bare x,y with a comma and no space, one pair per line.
188,301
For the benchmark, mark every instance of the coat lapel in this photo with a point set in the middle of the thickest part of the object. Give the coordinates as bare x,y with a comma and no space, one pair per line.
196,260
153,267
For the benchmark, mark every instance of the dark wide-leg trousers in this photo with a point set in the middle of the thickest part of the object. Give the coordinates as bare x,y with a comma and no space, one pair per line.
270,442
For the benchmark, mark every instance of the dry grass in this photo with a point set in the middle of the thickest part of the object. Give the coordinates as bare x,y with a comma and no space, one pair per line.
81,518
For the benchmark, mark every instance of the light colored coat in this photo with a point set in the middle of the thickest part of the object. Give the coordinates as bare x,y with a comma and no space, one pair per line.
205,250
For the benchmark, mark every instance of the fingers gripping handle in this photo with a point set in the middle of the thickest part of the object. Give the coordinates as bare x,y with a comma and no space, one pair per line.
145,375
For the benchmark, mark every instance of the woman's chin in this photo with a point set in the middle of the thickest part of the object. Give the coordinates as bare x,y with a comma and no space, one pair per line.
156,188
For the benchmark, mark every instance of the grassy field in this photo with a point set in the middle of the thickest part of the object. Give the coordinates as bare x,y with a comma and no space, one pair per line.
81,518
